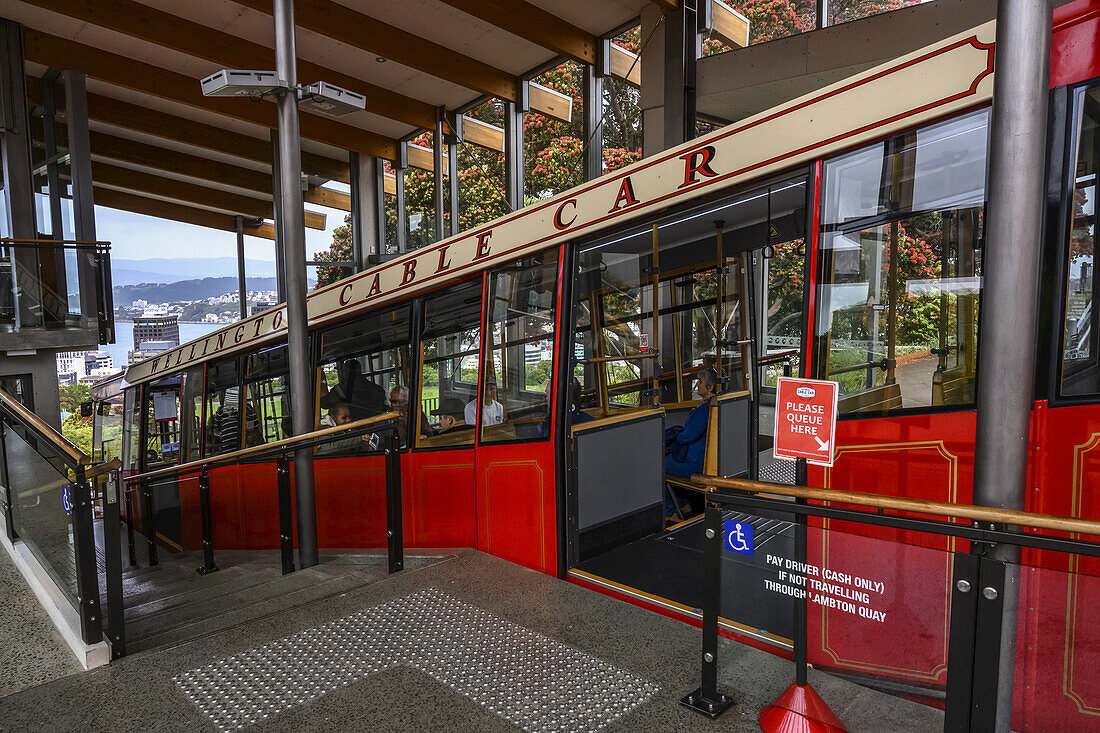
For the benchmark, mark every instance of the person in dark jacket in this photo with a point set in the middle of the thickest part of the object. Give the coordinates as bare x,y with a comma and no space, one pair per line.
689,447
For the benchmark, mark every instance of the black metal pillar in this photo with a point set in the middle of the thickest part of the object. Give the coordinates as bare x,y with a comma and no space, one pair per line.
453,138
208,565
276,210
681,53
112,565
707,700
1009,314
242,284
399,168
593,113
513,149
439,164
394,535
355,167
381,246
286,519
294,258
15,135
822,13
87,575
5,492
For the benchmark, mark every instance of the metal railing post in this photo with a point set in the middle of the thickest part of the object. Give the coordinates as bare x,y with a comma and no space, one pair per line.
112,560
148,522
286,542
6,499
208,565
131,549
394,535
87,576
707,700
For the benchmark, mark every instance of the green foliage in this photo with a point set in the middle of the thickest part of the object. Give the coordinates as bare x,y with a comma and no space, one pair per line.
78,430
538,373
72,395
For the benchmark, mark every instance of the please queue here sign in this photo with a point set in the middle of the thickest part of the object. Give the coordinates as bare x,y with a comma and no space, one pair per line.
805,420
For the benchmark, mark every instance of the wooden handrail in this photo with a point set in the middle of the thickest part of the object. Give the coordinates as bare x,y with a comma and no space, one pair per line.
621,357
938,508
52,242
102,468
44,429
237,455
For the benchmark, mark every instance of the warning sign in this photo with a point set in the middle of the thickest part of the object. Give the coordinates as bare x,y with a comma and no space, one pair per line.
805,420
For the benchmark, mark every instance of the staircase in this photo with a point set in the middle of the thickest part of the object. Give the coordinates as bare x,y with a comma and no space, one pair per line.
169,603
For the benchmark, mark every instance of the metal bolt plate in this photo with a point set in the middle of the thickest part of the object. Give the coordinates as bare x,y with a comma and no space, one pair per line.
990,593
963,586
530,680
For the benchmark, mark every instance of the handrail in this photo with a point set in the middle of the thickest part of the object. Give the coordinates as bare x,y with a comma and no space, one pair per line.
44,429
49,242
938,508
103,468
777,357
278,446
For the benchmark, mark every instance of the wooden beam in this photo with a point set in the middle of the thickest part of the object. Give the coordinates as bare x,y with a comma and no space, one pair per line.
137,204
106,174
533,24
668,4
171,161
421,157
389,184
729,25
48,50
200,41
551,102
626,65
343,24
483,134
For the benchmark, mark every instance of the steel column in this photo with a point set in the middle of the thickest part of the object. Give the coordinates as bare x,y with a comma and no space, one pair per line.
6,498
277,218
293,244
399,181
681,53
513,154
112,561
148,521
593,122
395,538
1008,329
354,167
453,140
381,245
242,284
15,138
440,165
286,519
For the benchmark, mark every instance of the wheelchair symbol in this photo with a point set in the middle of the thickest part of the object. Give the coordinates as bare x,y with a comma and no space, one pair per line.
739,536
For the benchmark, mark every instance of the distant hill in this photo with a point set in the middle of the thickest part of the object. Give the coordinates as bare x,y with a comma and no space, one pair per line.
164,270
207,287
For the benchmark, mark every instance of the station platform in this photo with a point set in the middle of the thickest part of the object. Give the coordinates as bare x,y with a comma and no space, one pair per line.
464,642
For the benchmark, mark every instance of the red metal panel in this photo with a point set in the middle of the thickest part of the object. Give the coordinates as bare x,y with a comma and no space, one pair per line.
351,502
1075,43
439,509
517,506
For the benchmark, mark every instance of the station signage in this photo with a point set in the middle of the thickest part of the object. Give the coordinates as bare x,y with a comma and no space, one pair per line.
805,420
946,77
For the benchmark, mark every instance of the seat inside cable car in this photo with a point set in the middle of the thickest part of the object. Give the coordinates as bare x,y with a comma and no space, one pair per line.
660,311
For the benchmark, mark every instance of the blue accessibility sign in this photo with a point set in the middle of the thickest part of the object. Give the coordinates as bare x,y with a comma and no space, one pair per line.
739,536
66,502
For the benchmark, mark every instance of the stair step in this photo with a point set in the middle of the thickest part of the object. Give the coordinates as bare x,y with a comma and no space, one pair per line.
139,599
242,611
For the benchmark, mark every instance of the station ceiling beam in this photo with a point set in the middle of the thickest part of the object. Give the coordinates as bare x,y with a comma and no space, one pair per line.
133,117
138,204
120,149
200,41
49,50
115,176
667,4
341,23
533,24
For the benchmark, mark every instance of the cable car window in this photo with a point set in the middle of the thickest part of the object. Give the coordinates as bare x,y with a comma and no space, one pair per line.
131,429
897,316
191,414
365,371
449,366
267,397
223,407
162,421
1080,367
517,379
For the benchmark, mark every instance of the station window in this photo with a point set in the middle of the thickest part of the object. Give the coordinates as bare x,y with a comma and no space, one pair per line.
517,380
900,274
131,430
365,370
1080,365
450,349
223,407
267,397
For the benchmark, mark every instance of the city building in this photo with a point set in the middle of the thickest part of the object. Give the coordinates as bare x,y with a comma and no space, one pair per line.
156,325
96,361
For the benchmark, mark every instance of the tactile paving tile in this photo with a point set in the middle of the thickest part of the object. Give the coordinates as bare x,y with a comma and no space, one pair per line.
530,680
778,472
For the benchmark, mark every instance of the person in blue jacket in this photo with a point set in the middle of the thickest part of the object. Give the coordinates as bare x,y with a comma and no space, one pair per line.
688,448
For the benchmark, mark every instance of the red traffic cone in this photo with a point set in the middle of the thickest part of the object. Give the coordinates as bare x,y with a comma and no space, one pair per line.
800,710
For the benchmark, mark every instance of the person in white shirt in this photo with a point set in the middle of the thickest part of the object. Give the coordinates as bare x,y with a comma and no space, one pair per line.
492,412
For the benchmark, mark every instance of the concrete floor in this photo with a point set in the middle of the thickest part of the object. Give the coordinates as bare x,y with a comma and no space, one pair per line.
32,651
523,636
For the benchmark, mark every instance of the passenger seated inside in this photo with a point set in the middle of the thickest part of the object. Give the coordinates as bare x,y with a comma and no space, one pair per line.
451,413
576,414
362,396
399,403
340,414
686,450
492,412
